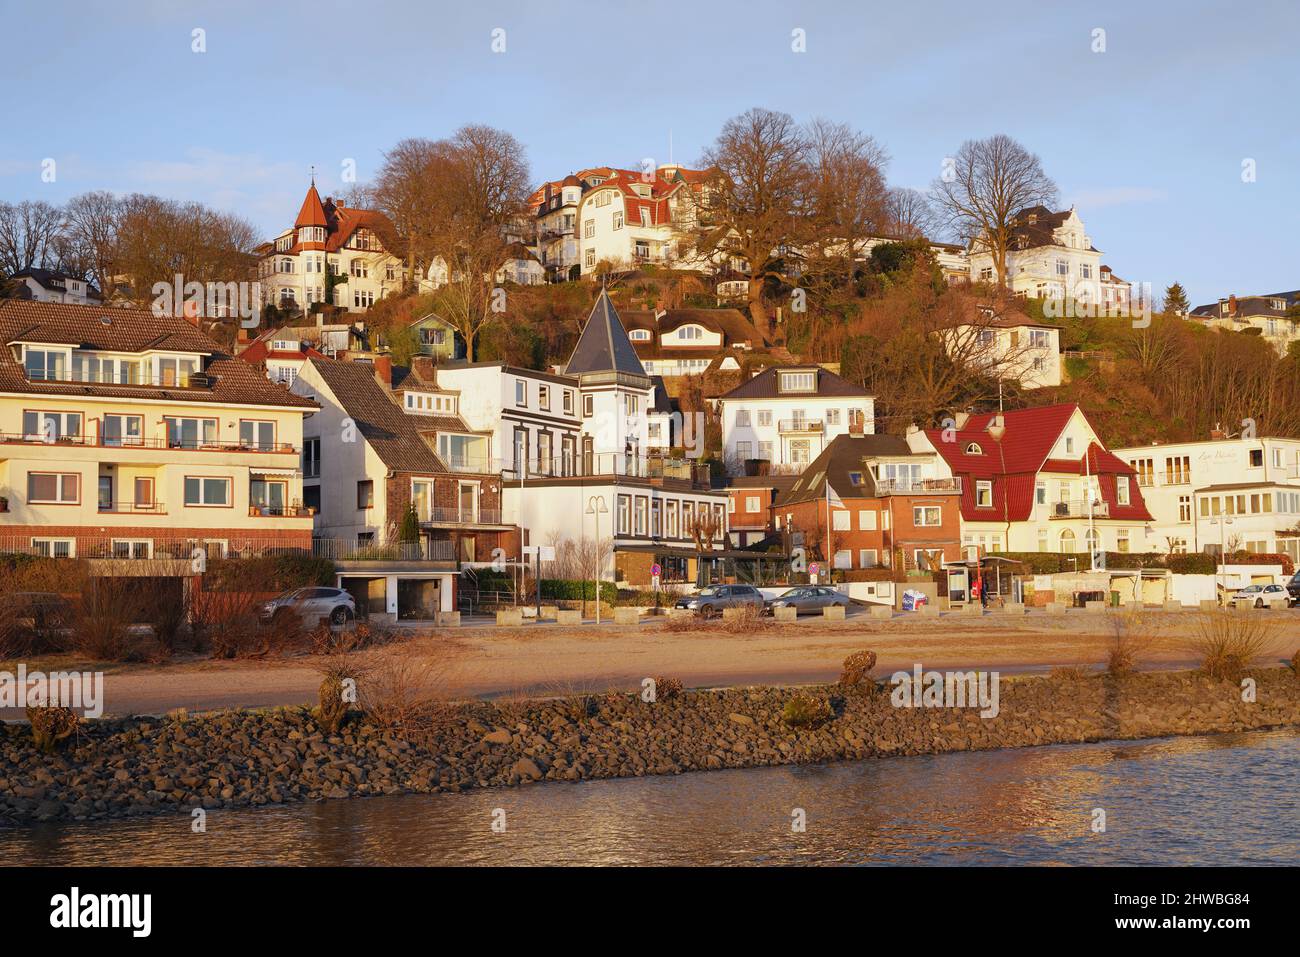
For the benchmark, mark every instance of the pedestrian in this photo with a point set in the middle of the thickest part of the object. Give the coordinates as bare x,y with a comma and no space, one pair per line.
975,588
984,593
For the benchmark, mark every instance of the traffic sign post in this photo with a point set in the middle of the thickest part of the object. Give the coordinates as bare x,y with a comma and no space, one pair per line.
813,569
655,572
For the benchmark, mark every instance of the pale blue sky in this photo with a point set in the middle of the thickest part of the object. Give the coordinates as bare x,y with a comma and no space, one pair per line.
1147,138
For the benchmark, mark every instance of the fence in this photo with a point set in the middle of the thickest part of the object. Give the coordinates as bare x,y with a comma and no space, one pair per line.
188,549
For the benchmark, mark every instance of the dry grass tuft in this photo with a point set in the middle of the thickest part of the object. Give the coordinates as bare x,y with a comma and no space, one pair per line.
857,668
1228,642
1131,638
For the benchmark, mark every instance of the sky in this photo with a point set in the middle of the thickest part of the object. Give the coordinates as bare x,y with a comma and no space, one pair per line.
1152,127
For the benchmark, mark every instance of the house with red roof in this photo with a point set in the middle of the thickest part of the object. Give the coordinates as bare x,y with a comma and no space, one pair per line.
1039,480
333,254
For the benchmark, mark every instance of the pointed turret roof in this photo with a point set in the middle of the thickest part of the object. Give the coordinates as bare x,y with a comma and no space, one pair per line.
312,212
604,345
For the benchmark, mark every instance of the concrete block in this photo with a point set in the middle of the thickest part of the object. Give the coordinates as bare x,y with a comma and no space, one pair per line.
882,611
548,612
627,616
447,619
833,612
1054,608
1173,606
785,614
925,611
731,614
1096,606
568,616
972,608
1209,604
511,618
1013,608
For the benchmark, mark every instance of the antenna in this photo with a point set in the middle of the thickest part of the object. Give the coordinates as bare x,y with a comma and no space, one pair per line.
313,174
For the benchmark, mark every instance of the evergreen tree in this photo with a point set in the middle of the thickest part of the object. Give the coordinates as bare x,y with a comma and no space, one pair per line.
409,530
1176,300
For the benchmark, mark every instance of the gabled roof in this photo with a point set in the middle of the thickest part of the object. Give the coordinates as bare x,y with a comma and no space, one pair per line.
604,345
843,455
395,436
1036,226
732,325
766,385
54,280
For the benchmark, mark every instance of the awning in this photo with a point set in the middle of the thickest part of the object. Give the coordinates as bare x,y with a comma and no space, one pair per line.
269,471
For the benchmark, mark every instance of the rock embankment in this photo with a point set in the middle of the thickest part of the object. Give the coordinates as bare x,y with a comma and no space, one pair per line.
242,759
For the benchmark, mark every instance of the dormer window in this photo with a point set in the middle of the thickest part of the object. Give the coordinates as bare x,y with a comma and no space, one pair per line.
284,345
974,449
639,335
311,234
690,332
798,382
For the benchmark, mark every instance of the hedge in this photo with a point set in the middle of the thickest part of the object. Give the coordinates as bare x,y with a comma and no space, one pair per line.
268,573
568,589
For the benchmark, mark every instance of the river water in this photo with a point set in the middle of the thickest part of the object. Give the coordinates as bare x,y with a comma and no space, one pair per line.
1224,799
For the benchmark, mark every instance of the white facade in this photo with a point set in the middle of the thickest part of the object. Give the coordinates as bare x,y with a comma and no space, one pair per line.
790,428
1238,494
1029,353
56,287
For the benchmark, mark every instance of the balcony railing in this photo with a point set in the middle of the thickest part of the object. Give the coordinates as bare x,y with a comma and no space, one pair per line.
129,442
799,425
936,486
132,508
1079,509
612,465
459,516
139,547
280,511
184,380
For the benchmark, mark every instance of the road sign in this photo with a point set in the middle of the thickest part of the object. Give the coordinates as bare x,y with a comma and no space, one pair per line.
812,572
655,570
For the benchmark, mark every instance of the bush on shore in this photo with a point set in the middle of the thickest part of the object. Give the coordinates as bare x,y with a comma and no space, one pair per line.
857,668
1228,642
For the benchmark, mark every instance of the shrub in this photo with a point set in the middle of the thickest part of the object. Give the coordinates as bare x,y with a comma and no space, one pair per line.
1129,641
803,710
750,619
108,618
1228,642
267,573
857,668
405,685
51,725
337,692
685,623
569,589
667,688
1068,673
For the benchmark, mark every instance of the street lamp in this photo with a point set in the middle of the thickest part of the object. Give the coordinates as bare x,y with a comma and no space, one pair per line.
596,506
1223,523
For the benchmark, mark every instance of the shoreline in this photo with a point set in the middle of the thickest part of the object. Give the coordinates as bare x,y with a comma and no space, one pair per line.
143,765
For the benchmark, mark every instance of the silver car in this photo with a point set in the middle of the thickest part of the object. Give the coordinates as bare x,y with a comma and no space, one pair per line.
1260,596
709,602
311,604
809,598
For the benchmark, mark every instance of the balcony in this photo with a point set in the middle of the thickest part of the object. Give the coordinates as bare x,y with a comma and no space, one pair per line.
183,380
613,465
935,486
800,425
180,445
182,550
1079,510
280,511
459,516
132,508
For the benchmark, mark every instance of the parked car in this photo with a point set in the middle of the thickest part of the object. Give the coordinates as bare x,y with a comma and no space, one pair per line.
1261,596
809,598
47,614
1293,588
709,602
311,605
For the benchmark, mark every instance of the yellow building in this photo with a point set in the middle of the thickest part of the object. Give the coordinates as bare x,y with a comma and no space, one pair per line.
125,434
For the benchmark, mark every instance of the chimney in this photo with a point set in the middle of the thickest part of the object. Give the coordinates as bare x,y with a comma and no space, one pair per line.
422,366
242,335
1232,306
384,371
1217,434
960,419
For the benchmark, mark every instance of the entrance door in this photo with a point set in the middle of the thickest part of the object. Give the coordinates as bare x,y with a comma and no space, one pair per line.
468,502
467,548
144,493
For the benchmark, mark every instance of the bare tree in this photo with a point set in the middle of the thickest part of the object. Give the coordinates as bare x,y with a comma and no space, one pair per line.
848,198
979,194
92,221
29,232
755,201
909,215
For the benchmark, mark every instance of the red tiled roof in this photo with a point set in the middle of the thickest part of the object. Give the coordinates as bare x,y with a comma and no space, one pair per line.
312,212
1014,464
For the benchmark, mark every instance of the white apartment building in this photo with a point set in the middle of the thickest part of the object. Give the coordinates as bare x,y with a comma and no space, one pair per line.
48,285
1267,313
630,219
1236,494
331,238
1051,256
1019,349
786,415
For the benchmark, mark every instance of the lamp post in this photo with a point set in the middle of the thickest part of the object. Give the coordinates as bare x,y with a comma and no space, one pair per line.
596,506
1223,523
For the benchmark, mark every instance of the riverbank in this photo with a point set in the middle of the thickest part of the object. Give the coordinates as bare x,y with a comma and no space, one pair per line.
239,759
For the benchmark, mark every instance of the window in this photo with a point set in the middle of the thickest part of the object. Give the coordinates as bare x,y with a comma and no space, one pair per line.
1040,493
311,458
190,433
765,417
175,371
544,397
1039,338
832,416
1256,458
618,219
690,333
1062,267
656,519
841,520
51,426
743,451
1121,540
589,229
927,516
639,335
983,494
362,299
53,488
55,547
1067,541
1146,470
366,493
587,405
671,512
639,515
868,558
1178,470
631,405
1069,444
1121,489
765,451
974,449
521,392
742,418
207,492
568,402
798,381
589,259
753,503
43,364
255,434
359,269
866,520
1184,508
624,510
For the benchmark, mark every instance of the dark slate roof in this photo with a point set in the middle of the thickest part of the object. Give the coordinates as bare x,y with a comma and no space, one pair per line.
394,435
1040,232
53,279
661,401
1251,306
129,330
765,385
604,345
837,460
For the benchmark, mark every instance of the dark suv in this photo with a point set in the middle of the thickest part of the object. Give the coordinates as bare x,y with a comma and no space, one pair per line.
1293,588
